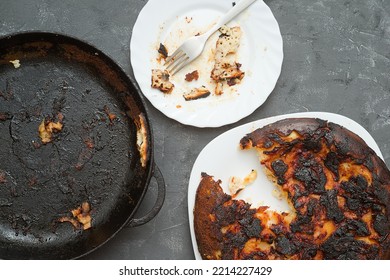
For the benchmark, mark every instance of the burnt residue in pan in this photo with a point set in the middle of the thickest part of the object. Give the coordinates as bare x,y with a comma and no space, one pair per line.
90,159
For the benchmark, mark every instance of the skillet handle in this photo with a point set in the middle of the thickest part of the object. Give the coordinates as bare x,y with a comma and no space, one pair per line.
158,204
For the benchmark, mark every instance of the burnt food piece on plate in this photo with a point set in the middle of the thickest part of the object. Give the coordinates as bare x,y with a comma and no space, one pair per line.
197,93
160,80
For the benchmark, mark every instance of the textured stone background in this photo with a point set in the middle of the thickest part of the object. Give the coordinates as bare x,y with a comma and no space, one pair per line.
336,59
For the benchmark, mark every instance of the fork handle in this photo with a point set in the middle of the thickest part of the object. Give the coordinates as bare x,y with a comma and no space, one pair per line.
232,13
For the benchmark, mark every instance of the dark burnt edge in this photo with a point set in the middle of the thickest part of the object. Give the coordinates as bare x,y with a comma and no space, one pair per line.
346,143
235,211
240,212
308,128
191,97
206,205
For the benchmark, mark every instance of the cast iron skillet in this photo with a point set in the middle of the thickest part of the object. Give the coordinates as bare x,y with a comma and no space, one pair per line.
91,165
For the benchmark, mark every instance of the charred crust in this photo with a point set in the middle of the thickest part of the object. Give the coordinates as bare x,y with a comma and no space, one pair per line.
358,227
298,192
311,132
309,252
208,236
381,224
280,168
246,143
285,246
311,174
329,200
212,201
332,163
273,132
278,229
359,197
251,226
343,246
302,224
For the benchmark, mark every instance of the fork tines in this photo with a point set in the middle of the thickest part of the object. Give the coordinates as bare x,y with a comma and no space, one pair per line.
176,61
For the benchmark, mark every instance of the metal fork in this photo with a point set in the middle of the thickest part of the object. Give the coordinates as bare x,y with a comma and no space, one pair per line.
194,46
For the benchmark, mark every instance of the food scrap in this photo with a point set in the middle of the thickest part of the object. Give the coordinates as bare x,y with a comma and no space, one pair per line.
47,128
110,115
160,80
237,184
194,75
142,140
16,63
81,217
163,51
226,69
197,93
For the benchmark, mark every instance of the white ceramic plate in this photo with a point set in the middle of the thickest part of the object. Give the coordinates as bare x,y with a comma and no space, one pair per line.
170,22
222,158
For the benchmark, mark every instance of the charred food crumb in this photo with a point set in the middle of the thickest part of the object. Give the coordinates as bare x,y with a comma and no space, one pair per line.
194,75
81,217
197,93
163,51
47,128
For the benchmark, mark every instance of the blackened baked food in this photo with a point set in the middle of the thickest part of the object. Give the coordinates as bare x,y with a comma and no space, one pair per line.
338,189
